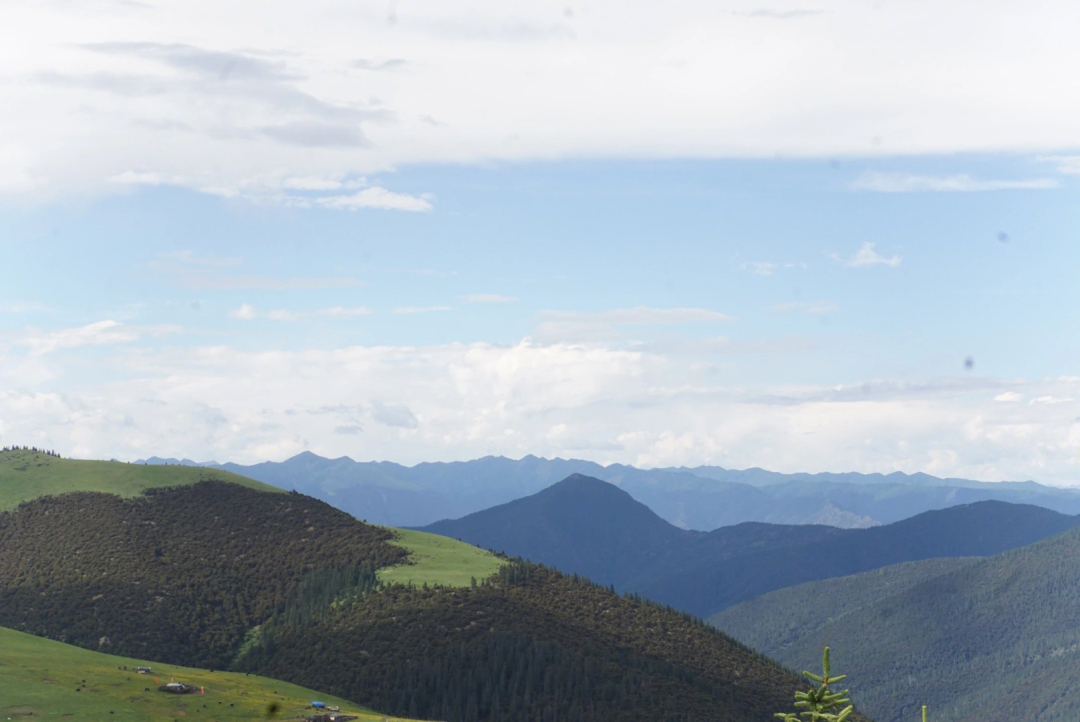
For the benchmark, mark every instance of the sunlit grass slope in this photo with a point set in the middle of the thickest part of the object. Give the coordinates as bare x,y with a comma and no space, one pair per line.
39,679
439,560
26,475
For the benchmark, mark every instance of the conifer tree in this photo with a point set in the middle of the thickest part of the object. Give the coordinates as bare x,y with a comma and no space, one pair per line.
822,703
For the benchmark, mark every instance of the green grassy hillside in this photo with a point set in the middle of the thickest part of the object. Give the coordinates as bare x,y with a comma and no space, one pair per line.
26,475
988,639
47,680
435,559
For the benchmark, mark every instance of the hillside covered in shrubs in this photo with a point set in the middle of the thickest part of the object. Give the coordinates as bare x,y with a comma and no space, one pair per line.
222,576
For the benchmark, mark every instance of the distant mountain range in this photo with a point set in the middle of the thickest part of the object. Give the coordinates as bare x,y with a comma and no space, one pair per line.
590,527
975,639
701,498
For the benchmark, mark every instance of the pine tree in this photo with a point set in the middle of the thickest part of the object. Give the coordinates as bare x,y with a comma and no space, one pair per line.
821,703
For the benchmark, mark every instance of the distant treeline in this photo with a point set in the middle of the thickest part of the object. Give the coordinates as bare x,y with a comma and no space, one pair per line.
34,449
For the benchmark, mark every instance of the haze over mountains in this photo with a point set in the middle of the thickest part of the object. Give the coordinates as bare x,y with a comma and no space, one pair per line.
701,498
588,526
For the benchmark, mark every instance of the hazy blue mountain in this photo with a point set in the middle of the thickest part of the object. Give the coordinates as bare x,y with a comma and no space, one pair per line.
702,498
588,526
977,639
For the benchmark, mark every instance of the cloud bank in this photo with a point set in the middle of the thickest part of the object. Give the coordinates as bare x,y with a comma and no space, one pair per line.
646,407
198,95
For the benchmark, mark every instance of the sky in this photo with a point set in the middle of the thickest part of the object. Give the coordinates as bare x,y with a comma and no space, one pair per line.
805,236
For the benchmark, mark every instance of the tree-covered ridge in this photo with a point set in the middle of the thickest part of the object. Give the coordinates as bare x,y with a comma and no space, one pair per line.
588,526
26,474
528,644
992,639
178,574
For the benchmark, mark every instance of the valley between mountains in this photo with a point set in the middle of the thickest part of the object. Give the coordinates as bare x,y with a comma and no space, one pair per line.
575,602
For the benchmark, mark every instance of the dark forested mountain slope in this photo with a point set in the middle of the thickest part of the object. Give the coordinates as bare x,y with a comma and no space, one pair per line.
178,574
218,575
589,527
702,498
986,639
580,524
530,644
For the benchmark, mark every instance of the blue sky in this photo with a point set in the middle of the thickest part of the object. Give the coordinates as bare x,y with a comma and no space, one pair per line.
812,283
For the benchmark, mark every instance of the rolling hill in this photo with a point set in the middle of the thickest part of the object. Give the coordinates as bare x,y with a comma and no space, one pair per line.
26,475
218,575
47,680
587,526
701,498
995,638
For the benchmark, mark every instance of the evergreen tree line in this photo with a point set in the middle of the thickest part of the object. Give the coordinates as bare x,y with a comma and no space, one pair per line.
527,643
177,574
34,449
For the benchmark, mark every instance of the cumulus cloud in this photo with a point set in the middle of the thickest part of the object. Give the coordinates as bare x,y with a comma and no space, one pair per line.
376,197
421,309
867,256
961,183
456,401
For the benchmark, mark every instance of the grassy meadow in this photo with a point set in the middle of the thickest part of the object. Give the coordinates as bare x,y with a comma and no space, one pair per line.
45,680
439,560
26,475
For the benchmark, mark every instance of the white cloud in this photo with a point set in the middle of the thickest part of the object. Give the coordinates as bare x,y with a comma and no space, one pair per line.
487,298
960,183
867,256
101,333
1008,397
246,312
341,312
758,268
1045,400
1067,164
456,401
281,314
421,309
376,197
217,102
